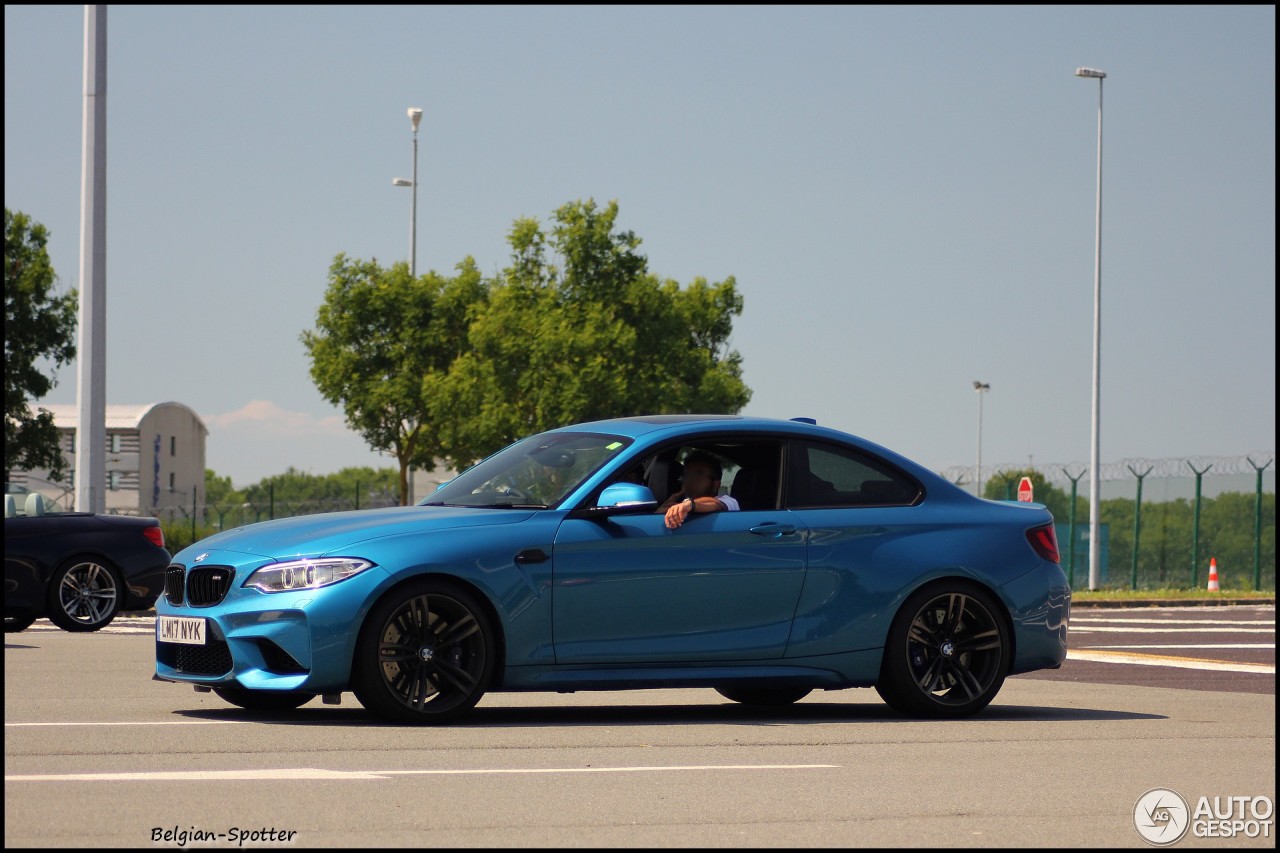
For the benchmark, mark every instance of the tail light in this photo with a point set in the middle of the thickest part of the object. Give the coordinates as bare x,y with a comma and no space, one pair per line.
1044,540
155,534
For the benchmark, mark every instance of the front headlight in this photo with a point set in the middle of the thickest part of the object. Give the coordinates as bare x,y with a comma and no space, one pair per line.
305,574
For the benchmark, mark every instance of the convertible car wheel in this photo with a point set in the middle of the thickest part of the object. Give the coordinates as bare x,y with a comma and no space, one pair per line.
84,595
767,696
425,654
262,700
947,654
17,622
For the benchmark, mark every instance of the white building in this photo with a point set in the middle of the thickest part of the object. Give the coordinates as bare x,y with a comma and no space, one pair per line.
155,459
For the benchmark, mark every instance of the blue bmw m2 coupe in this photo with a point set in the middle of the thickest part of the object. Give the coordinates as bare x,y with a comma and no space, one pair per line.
550,566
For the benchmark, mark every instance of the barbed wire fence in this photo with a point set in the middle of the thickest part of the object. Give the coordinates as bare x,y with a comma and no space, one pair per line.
1144,544
1065,472
1163,543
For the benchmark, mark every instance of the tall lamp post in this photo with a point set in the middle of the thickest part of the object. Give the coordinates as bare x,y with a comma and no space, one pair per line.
415,116
981,388
1095,571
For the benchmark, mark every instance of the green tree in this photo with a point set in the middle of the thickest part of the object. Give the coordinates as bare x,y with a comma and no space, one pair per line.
1164,557
38,324
347,485
1004,486
591,335
383,341
219,490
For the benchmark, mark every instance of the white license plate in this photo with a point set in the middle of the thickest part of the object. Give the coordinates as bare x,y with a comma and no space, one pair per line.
177,629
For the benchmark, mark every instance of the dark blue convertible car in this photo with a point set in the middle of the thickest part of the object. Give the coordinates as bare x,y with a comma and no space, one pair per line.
77,568
550,567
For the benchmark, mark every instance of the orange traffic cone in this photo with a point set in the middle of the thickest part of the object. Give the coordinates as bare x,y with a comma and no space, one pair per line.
1213,574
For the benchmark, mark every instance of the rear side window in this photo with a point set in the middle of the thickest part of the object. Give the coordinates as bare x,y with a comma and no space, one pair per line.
824,475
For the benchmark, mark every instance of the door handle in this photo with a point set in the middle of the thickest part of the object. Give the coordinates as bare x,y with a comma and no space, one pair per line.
773,530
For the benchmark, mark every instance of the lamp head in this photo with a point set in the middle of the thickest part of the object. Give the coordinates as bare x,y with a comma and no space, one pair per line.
1090,72
415,116
401,182
981,386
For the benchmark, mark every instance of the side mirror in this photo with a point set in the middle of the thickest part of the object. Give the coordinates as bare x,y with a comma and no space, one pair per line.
624,499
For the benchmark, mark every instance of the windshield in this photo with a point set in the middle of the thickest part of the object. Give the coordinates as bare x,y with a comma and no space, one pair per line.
535,473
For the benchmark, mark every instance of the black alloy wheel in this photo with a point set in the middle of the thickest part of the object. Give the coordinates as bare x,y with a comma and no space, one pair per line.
947,654
769,697
84,595
425,655
262,700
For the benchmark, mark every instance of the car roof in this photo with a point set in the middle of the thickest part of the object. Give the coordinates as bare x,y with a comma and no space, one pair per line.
634,427
651,428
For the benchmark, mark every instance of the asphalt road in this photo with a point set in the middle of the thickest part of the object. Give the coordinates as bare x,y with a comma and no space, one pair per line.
1193,648
97,754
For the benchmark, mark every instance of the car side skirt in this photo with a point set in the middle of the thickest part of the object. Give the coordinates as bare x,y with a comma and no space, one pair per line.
830,672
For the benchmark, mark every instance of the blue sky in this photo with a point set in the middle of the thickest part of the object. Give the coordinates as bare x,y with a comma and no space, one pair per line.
905,196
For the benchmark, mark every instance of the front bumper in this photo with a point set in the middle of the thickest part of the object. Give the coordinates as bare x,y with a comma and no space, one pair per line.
287,641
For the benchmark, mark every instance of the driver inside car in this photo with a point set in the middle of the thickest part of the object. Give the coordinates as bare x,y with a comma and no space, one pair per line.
698,493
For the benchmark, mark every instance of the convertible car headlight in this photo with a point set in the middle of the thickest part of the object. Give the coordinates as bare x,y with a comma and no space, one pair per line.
305,574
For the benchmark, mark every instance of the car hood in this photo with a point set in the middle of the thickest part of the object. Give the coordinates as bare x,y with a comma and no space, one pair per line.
330,533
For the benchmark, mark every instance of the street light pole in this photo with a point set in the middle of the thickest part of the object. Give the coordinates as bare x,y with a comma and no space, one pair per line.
415,116
981,388
1095,572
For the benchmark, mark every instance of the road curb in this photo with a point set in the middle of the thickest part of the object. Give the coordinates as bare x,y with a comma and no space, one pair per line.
1172,602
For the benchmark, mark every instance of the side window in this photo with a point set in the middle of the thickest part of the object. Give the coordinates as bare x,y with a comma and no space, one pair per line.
824,475
750,469
753,473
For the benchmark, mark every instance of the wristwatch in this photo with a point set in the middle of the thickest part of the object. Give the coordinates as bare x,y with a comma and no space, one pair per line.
692,505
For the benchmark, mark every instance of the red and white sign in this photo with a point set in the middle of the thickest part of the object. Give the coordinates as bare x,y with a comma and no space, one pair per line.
1024,490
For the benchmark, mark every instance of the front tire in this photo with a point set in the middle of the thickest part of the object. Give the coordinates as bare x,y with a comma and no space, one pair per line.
84,595
425,654
262,700
947,654
768,697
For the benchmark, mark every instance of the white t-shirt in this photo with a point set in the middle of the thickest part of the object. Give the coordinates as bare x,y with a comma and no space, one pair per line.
730,504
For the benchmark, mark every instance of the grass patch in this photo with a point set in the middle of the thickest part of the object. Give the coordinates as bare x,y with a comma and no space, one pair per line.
1083,596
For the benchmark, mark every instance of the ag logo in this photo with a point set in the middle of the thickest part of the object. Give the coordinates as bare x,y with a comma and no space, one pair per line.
1161,816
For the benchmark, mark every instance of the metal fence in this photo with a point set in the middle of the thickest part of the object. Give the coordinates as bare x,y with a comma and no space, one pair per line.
1162,520
185,525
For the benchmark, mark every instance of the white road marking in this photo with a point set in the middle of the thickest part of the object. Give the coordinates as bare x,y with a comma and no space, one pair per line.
268,774
1191,646
132,625
137,723
1124,621
1171,630
1171,661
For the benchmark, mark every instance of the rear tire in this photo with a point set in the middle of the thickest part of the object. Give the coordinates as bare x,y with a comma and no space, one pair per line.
85,594
768,697
17,622
947,654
